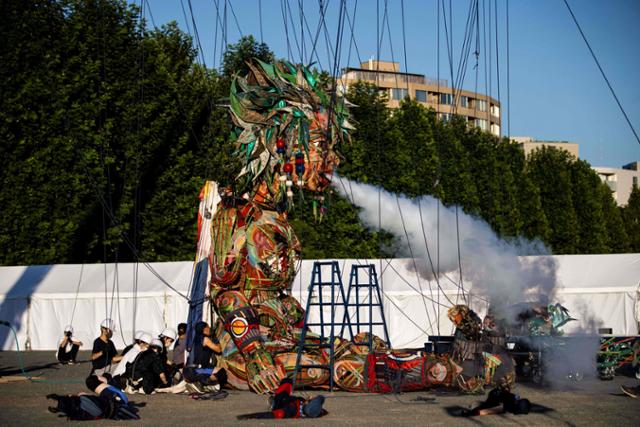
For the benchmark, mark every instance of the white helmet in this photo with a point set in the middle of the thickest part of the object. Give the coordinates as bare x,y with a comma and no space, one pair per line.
169,333
138,335
108,324
68,328
144,337
156,343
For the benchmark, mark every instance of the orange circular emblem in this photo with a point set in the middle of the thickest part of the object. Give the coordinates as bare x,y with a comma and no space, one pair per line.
239,327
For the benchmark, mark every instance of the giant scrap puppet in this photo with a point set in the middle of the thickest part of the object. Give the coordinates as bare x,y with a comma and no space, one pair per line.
286,127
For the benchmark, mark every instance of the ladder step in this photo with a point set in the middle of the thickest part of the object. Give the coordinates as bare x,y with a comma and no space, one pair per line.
359,304
327,324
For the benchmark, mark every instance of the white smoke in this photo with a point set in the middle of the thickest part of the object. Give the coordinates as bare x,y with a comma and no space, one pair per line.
491,264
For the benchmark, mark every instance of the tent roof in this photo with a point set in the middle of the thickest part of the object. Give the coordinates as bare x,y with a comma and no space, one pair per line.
589,272
61,280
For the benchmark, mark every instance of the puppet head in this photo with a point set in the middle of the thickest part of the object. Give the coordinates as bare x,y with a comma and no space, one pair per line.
286,130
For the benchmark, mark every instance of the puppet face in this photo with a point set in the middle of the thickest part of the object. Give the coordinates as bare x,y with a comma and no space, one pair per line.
320,160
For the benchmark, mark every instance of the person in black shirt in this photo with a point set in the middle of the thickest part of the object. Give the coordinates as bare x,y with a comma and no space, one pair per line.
201,371
147,369
104,352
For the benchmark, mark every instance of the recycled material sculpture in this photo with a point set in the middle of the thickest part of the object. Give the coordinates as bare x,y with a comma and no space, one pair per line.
286,128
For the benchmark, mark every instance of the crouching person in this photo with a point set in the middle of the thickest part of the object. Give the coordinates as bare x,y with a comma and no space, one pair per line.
201,375
147,371
110,403
68,347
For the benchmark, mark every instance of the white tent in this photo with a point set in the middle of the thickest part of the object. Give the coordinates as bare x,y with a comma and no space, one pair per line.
39,301
599,290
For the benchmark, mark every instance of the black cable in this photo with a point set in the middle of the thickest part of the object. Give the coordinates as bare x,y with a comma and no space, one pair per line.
624,113
497,56
508,78
235,19
260,15
286,29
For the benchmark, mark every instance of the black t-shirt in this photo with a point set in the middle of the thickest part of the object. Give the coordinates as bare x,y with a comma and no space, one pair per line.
147,361
108,351
202,354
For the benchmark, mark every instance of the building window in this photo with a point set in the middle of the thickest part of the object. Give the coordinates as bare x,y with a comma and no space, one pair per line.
481,123
495,110
464,101
481,105
445,98
445,117
421,95
398,94
495,129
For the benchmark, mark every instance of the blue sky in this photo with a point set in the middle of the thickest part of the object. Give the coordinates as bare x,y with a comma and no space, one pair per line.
556,90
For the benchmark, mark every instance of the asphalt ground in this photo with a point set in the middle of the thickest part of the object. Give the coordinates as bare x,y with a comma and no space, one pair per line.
588,402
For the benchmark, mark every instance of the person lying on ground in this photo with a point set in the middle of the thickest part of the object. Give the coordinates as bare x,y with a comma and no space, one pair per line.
500,401
147,372
110,403
104,352
631,391
68,347
286,405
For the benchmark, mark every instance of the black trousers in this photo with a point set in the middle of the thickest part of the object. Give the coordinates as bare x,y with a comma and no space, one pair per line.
68,356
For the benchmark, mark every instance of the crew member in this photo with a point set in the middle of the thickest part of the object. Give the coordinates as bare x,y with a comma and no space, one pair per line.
68,347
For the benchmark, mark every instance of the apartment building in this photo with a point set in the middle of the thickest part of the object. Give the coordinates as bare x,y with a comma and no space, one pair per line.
528,144
620,181
479,110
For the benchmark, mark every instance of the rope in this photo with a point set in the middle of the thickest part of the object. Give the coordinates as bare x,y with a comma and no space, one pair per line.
21,362
75,301
508,78
624,113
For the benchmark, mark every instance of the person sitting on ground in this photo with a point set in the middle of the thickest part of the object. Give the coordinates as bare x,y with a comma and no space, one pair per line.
147,372
167,337
180,346
500,401
136,339
201,372
68,347
142,344
110,403
104,352
286,405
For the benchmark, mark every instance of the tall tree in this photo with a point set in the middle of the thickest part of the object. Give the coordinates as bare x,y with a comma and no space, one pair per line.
631,217
587,204
550,170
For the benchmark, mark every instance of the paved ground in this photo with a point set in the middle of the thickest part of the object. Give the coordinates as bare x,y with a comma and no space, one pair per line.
589,402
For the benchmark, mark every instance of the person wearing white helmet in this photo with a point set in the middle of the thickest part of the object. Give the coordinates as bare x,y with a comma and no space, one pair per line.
104,352
147,370
142,341
68,347
136,340
167,336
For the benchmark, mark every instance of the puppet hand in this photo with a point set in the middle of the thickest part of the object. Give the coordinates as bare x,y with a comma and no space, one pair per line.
267,379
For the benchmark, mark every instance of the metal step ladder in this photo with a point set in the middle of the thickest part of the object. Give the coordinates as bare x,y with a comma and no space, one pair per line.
321,280
372,291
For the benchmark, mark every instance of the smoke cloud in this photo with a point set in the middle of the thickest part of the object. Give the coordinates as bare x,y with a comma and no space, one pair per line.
491,264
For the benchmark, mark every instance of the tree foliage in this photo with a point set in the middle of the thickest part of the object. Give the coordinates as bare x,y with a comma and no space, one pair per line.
109,130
